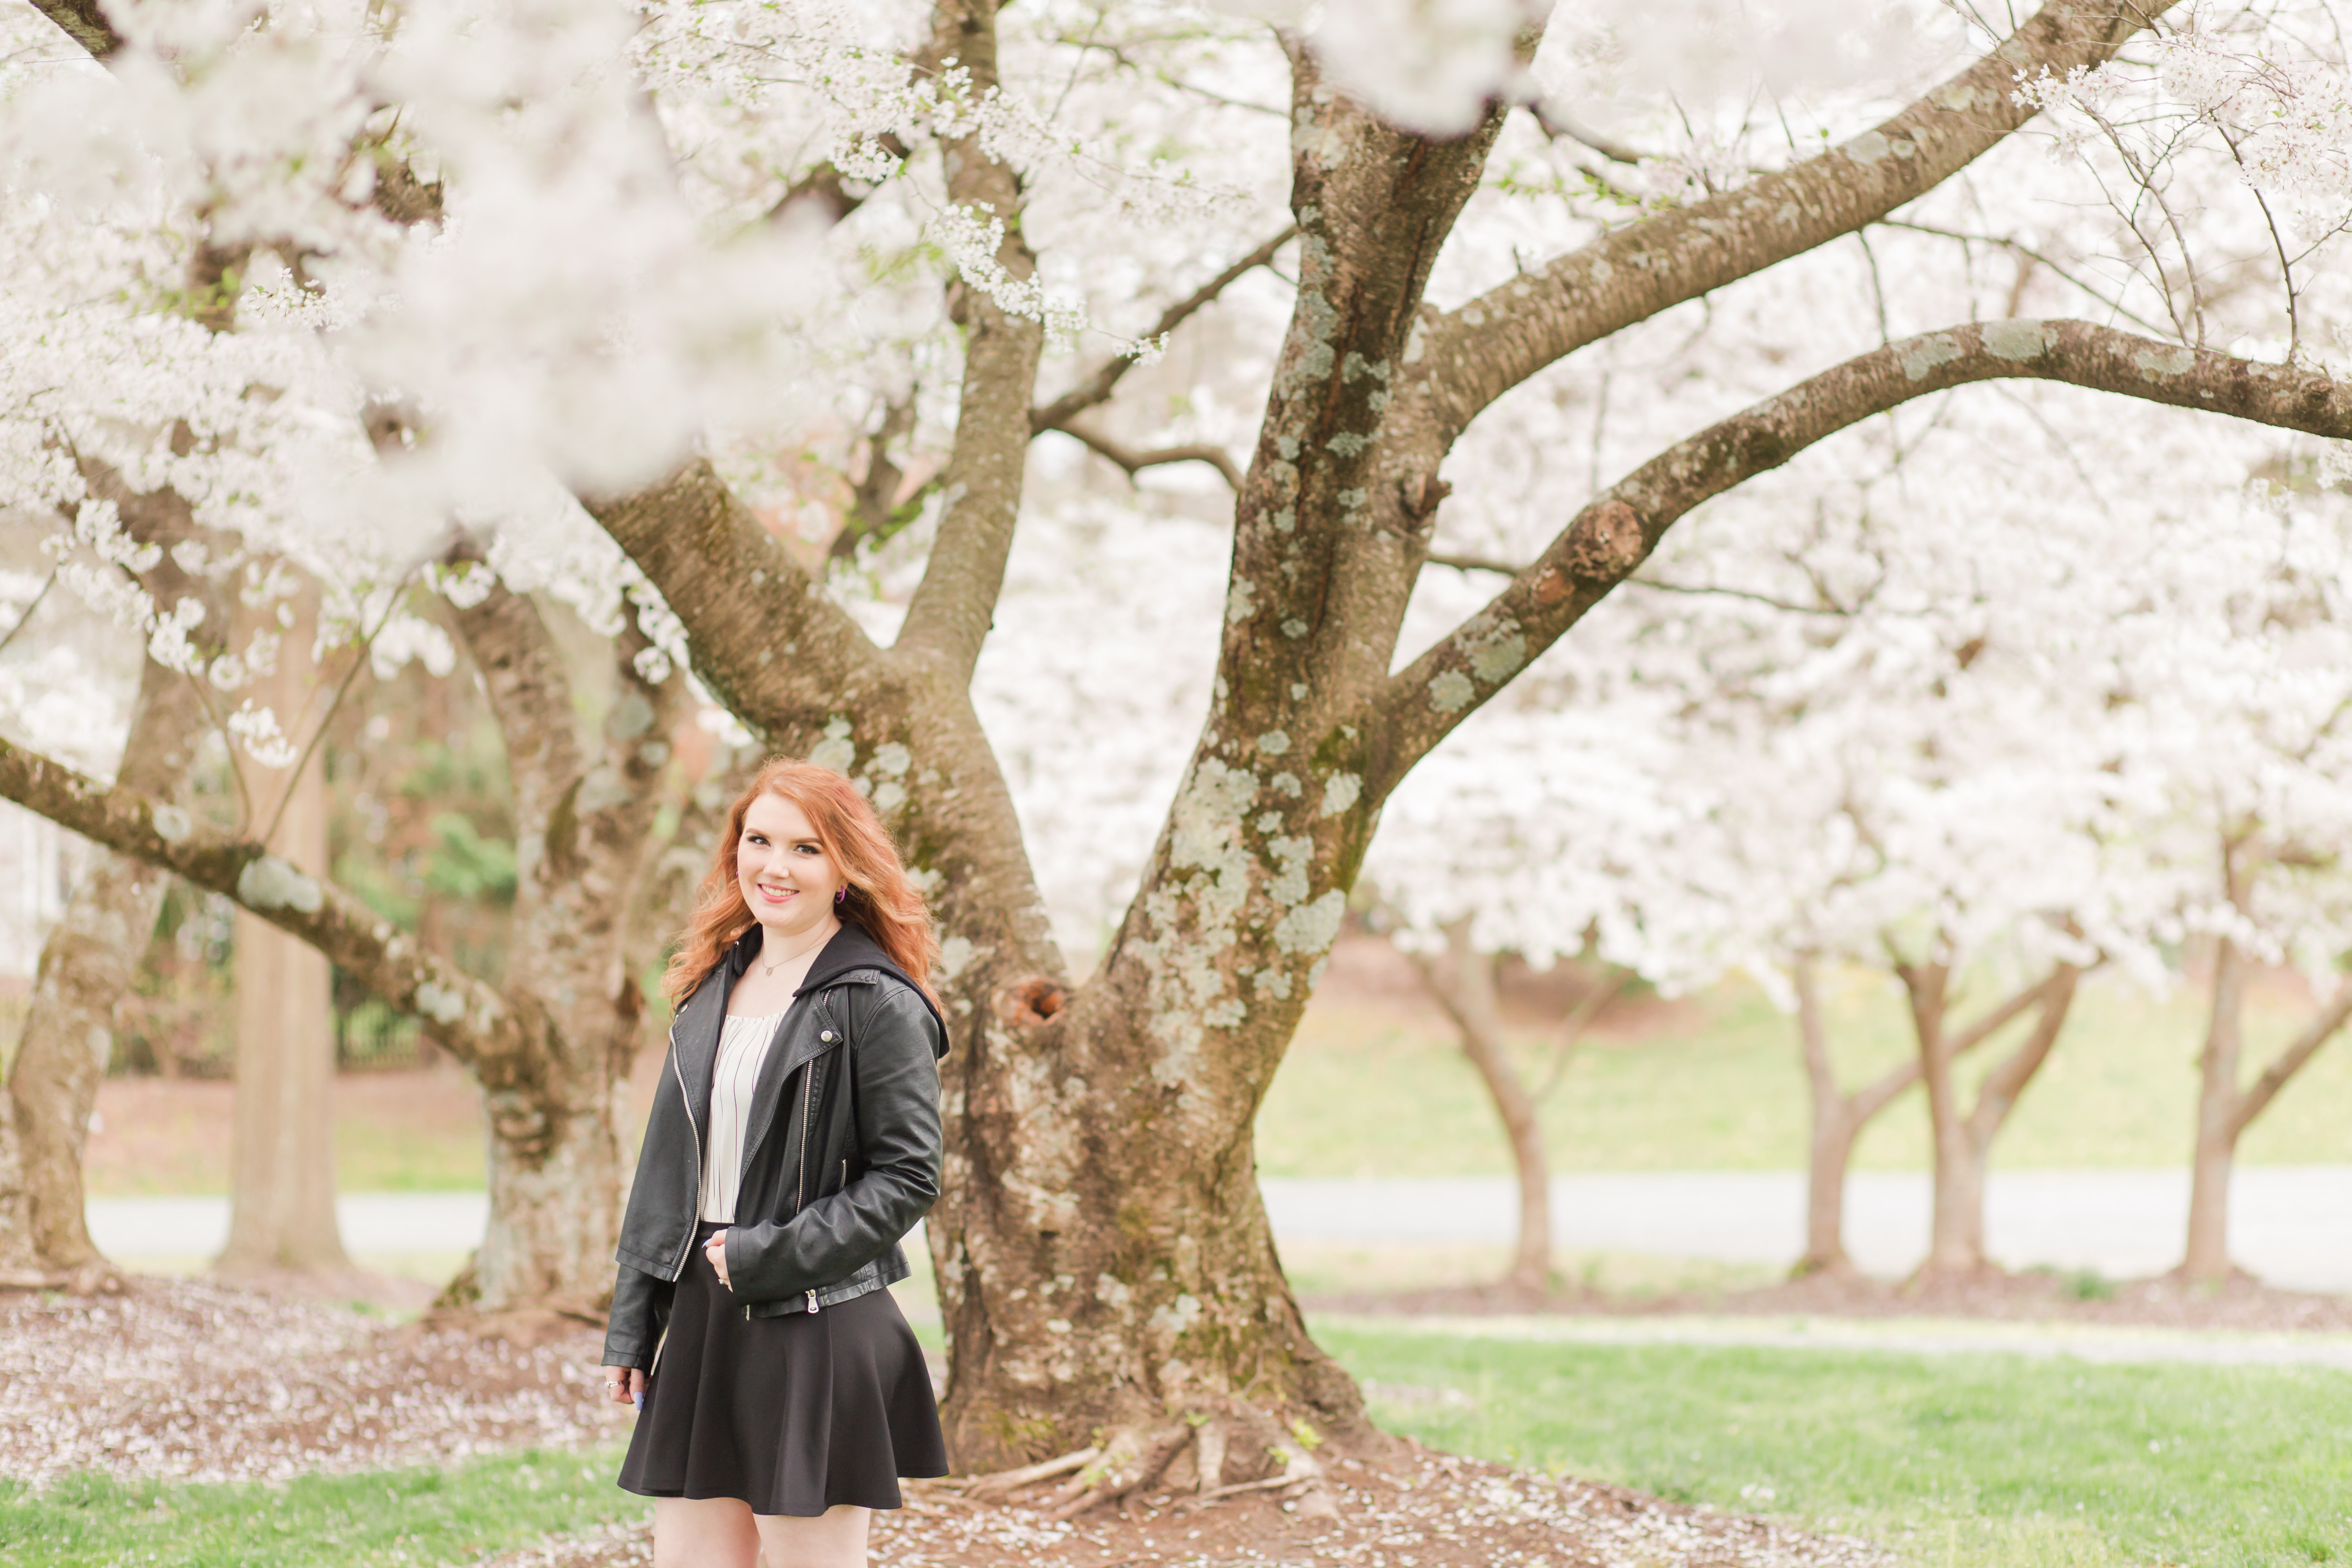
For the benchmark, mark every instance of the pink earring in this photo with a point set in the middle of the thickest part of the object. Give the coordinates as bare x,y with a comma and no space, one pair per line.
840,894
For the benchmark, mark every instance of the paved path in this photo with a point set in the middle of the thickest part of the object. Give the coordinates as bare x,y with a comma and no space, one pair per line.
175,1228
1907,1336
2291,1224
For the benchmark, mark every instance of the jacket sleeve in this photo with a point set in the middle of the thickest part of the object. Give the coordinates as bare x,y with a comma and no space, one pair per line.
641,1303
896,1080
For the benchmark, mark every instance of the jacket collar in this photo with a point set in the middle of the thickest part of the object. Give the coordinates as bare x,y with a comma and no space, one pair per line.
850,950
849,953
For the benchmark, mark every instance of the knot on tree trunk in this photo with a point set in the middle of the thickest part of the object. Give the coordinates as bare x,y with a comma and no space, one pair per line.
1422,496
1604,543
1028,1002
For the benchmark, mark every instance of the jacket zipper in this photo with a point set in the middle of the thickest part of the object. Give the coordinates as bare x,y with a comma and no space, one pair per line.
808,1112
688,1100
800,1178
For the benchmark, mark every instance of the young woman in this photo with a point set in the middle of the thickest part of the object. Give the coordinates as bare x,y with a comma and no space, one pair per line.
795,1139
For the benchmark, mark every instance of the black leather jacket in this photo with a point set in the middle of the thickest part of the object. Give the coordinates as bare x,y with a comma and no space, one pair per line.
841,1152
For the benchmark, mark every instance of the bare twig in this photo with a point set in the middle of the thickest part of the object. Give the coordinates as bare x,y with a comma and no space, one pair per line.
1029,1475
1097,388
1589,1007
318,732
1134,461
2040,259
1558,125
10,636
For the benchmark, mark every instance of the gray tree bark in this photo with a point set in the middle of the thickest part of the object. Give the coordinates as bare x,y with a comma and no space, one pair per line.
1839,1116
2224,1109
583,813
552,1048
1838,1119
281,1143
1463,982
1963,1134
87,964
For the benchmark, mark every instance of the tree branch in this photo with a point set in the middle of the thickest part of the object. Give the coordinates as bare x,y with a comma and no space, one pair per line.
1990,1022
529,691
1097,388
1134,461
1470,563
948,617
84,22
764,639
462,1013
1478,351
1558,125
1618,529
25,619
2009,1077
2318,1033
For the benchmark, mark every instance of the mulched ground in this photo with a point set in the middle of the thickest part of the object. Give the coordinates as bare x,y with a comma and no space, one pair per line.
190,1380
1415,1509
186,1380
2241,1304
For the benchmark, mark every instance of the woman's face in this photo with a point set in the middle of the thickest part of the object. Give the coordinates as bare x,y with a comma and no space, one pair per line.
786,876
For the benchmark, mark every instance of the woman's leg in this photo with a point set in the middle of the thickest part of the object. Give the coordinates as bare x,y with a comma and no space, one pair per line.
704,1532
834,1539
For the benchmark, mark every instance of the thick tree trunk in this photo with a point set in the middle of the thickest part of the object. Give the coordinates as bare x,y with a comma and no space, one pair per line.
1835,1126
583,815
1463,984
281,1146
2208,1253
1838,1120
87,965
85,973
2224,1111
1963,1135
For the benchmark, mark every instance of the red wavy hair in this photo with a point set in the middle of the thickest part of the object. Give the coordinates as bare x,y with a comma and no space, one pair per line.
882,900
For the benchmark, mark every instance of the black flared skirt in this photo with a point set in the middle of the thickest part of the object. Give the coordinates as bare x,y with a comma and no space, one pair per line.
793,1414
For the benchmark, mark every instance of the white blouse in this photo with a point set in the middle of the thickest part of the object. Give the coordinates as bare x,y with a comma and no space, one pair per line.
742,1047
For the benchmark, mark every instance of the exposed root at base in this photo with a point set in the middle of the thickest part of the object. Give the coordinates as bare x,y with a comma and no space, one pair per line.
98,1278
1190,1455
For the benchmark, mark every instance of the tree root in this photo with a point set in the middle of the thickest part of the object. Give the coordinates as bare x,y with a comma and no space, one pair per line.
1130,1460
98,1278
1004,1483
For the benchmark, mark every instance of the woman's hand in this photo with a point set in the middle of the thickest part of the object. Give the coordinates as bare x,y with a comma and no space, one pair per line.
623,1384
715,1249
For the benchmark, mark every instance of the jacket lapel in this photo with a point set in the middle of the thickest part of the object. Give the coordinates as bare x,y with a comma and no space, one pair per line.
695,1038
799,1039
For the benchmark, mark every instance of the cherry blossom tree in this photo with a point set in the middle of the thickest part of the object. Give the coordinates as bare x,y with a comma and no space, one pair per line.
714,272
2236,675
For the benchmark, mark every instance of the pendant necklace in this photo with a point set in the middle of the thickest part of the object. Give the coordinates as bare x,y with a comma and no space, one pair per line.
768,970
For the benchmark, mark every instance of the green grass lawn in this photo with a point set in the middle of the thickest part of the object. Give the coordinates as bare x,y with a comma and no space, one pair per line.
1980,1461
1716,1085
371,1521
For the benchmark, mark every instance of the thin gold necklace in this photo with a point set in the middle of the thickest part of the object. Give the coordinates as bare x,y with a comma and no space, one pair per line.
767,969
